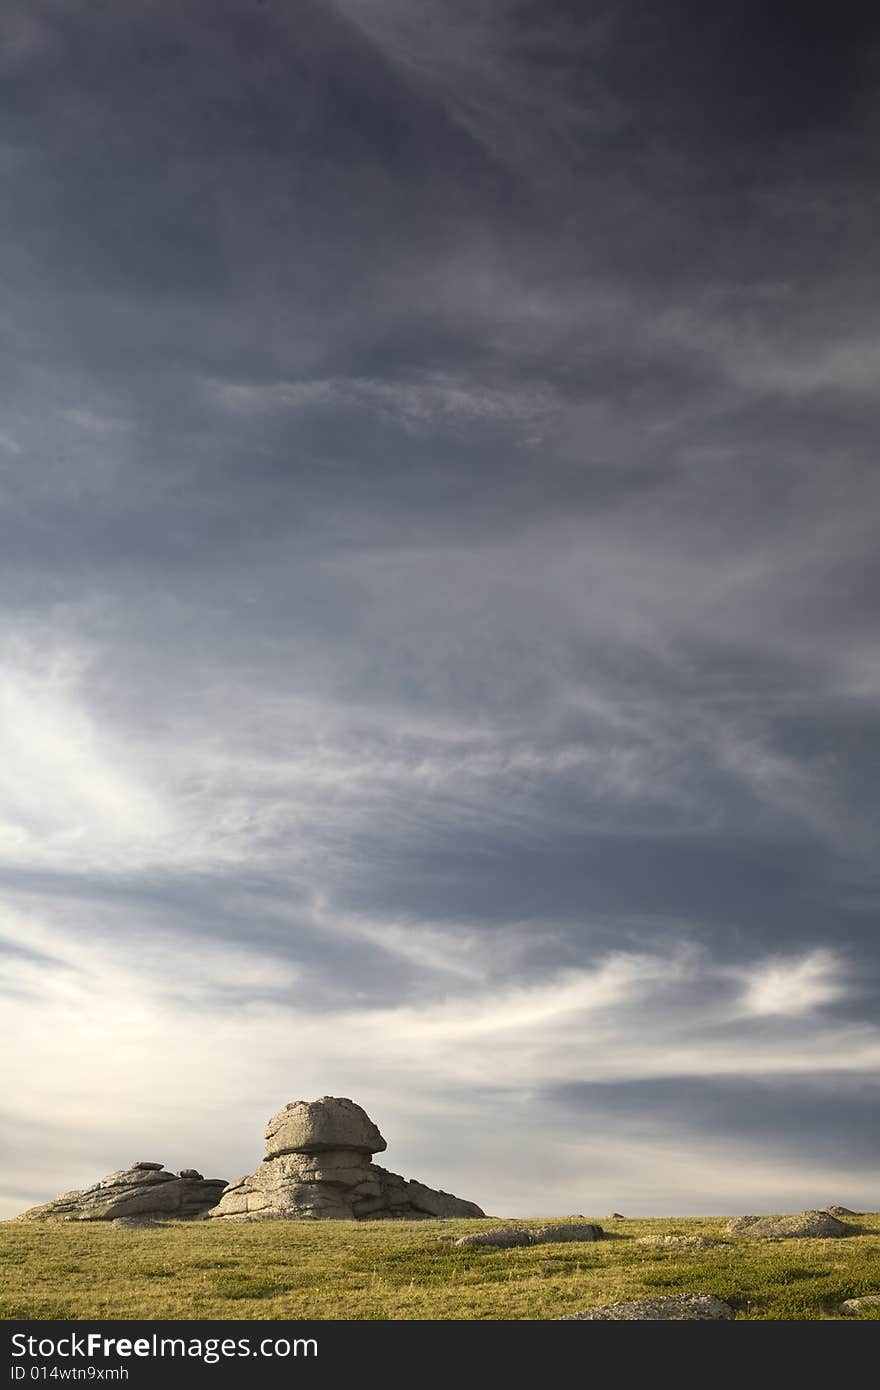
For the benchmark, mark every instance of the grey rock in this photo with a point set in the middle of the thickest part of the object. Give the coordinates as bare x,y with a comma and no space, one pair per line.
680,1242
678,1307
149,1167
840,1211
504,1239
133,1192
317,1168
868,1303
808,1224
507,1237
333,1122
192,1173
136,1223
615,1216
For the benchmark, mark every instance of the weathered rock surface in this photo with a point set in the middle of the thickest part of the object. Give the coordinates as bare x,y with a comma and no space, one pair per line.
320,1126
807,1224
839,1211
868,1303
680,1242
145,1189
317,1167
678,1307
504,1239
507,1237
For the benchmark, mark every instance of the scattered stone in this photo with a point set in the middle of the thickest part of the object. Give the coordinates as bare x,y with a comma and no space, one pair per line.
840,1211
677,1307
680,1242
317,1167
866,1304
506,1237
144,1189
807,1224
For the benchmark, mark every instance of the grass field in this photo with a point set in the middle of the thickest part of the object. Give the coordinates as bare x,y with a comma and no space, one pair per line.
393,1270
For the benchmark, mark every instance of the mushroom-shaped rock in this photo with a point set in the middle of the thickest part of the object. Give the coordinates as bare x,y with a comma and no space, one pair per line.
317,1126
317,1167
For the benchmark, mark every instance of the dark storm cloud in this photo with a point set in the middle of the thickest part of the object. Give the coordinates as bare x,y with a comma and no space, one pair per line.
438,556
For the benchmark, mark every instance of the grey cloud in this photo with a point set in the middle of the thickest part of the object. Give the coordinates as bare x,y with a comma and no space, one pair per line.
438,516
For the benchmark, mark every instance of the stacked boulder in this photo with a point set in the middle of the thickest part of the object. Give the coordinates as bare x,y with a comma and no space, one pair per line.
317,1166
143,1190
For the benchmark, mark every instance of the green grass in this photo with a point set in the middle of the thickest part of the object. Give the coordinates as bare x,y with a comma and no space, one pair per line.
395,1270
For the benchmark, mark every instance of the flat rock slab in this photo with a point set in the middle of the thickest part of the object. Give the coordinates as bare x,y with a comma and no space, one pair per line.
144,1189
680,1242
815,1224
508,1237
868,1303
498,1240
702,1307
840,1211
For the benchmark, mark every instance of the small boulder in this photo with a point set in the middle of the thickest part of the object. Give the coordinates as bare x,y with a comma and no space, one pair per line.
678,1307
615,1216
809,1224
192,1173
507,1237
148,1167
868,1303
504,1239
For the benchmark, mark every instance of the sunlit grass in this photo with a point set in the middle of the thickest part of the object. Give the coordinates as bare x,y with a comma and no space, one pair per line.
394,1270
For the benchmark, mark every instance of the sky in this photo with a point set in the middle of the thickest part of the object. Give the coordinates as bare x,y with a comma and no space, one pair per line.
439,660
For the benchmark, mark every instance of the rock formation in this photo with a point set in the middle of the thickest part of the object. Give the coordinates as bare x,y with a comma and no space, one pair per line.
317,1166
143,1190
807,1224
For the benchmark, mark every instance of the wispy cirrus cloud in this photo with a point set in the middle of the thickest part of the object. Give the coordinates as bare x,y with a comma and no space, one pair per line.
438,555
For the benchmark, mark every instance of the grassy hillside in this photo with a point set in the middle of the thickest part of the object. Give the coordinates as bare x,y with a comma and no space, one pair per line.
391,1270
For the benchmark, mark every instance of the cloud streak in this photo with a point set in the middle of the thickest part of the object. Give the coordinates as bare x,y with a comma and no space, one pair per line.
437,566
